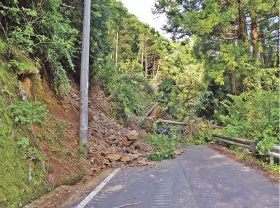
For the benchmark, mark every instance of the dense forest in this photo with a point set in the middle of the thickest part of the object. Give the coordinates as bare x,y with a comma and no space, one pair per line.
221,68
237,44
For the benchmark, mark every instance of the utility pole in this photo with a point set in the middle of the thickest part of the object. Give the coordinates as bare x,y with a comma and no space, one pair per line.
84,81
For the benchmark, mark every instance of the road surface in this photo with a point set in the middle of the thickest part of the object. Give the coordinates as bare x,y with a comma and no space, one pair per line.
200,178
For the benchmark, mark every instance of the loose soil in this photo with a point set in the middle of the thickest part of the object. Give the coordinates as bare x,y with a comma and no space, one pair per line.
110,145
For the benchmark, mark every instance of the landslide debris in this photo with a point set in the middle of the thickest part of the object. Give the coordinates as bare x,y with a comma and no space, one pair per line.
111,144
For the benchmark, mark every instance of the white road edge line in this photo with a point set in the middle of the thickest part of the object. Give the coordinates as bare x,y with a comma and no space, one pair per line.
97,189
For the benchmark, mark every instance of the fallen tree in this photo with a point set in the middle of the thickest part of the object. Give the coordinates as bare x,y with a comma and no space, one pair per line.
171,122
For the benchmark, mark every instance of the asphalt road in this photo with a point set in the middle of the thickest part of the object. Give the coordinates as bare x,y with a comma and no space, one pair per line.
200,178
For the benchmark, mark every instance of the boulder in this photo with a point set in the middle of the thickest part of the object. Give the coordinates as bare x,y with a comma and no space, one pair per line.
132,135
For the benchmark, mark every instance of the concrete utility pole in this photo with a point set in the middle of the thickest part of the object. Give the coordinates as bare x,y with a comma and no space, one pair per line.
84,81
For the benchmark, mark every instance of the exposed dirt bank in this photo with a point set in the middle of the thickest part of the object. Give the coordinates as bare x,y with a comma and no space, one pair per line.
111,145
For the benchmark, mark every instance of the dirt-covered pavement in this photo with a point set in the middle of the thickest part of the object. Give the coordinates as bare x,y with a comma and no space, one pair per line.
199,178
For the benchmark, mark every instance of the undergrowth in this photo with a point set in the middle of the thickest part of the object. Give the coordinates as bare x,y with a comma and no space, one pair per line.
26,130
23,127
164,147
130,91
22,168
165,140
27,113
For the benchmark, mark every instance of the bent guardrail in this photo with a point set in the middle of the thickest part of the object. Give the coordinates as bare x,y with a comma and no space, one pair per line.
249,144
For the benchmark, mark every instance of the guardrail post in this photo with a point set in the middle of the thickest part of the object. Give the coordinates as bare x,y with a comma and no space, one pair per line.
271,159
253,145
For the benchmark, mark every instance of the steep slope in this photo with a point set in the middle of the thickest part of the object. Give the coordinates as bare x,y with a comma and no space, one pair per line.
38,157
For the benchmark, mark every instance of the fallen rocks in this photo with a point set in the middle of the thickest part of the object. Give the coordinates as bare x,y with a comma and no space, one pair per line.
132,135
126,159
111,144
114,157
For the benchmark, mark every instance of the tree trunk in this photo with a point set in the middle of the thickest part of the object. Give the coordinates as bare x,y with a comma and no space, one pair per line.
278,49
157,71
242,29
142,55
146,61
255,35
234,83
154,67
117,48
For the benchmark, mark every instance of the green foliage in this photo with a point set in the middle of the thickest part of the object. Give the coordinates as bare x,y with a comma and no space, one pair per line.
27,113
42,30
255,116
129,91
183,80
200,137
127,94
83,150
21,63
164,146
18,161
2,46
209,104
223,41
168,96
263,79
23,142
14,171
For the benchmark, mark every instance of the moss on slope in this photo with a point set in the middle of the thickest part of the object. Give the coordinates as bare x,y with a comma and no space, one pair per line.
22,179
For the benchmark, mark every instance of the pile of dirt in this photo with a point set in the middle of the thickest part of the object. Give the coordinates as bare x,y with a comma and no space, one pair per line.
111,144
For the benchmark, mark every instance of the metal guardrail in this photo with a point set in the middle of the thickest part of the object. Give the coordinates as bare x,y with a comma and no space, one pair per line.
275,152
248,144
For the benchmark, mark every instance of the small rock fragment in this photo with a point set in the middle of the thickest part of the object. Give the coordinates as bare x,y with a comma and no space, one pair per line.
132,135
126,159
179,152
114,157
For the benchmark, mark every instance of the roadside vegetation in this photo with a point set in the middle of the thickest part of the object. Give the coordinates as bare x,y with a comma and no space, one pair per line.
22,167
233,48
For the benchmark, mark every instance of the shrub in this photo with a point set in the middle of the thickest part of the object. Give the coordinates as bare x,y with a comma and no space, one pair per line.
51,37
128,90
254,115
27,113
164,146
23,142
